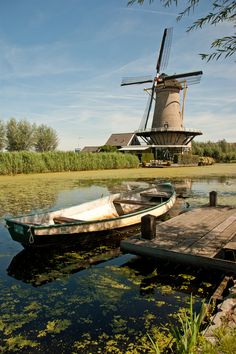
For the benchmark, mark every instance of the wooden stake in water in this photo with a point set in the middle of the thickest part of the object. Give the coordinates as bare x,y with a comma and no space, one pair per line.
213,198
148,227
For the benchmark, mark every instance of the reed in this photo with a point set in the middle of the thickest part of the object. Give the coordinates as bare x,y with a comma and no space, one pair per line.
186,335
155,346
12,163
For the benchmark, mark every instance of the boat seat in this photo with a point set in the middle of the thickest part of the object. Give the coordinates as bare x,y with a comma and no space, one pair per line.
64,220
155,195
134,202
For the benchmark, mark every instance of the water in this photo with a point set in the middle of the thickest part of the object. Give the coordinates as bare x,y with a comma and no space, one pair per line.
95,300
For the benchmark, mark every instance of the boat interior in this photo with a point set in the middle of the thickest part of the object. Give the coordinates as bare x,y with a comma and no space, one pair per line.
111,206
117,207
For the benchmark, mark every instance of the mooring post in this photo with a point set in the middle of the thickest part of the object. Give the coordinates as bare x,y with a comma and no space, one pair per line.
148,227
213,198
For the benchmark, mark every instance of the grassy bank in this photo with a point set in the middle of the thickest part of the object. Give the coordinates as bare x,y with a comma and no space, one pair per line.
217,170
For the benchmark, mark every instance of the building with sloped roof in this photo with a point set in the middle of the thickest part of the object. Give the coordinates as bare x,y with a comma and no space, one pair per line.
122,139
91,149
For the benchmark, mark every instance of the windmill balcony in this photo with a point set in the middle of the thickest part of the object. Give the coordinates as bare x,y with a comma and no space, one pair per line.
168,129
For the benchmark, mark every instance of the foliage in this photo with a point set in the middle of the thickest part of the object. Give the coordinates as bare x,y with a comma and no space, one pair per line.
220,151
225,342
46,139
187,336
108,148
17,343
20,135
154,345
147,157
32,162
2,135
55,326
23,136
188,339
222,11
186,159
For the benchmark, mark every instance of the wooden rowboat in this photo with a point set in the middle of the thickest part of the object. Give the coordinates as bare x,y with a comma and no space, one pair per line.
95,218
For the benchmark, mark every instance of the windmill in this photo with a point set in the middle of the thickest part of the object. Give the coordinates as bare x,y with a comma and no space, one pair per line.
166,129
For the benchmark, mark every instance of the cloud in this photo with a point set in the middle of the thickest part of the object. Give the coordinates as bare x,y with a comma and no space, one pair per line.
37,61
214,126
150,11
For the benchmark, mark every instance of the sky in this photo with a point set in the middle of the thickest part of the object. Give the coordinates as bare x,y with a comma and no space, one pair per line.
62,62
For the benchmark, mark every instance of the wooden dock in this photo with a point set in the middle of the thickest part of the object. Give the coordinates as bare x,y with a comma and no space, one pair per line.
204,237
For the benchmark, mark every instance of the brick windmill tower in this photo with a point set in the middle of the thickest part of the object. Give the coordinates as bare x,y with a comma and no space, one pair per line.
163,127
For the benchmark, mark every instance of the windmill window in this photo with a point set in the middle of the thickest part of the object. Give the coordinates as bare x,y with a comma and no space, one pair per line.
166,125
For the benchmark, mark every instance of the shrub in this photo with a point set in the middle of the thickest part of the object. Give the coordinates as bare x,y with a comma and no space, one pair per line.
147,157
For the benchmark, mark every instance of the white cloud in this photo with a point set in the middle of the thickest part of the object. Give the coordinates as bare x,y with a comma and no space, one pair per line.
37,61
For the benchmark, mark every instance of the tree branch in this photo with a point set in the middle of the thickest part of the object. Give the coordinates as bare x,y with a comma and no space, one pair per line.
222,11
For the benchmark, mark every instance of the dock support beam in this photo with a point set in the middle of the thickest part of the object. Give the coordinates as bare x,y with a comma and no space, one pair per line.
213,198
148,227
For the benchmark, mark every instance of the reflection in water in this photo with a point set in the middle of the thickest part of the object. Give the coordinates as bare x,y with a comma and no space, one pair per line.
225,188
175,278
39,268
31,194
106,308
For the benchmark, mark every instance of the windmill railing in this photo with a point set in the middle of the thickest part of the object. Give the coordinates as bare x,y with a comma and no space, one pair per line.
168,129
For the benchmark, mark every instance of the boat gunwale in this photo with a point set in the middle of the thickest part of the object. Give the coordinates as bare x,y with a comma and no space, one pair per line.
86,222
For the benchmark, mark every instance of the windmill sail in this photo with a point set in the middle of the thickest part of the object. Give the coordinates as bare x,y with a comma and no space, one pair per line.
143,122
164,53
181,76
136,80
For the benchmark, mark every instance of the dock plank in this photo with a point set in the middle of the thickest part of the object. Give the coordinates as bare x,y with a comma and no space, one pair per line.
197,235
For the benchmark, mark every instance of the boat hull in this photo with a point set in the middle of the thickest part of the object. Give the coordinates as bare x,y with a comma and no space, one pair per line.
82,231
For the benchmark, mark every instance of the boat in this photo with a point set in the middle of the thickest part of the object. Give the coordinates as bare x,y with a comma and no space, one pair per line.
87,221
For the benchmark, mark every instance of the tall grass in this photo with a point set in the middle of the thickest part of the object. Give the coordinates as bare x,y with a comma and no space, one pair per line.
185,335
12,163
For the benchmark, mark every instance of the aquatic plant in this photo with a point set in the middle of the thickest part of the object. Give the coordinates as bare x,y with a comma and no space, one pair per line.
224,341
186,335
55,326
155,345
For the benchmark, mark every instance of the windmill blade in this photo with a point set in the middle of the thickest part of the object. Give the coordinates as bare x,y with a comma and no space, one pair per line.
181,76
190,80
136,80
164,52
149,107
143,122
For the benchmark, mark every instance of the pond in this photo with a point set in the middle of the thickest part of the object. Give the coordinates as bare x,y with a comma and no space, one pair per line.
93,300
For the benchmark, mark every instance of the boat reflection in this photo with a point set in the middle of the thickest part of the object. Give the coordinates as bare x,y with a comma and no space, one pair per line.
39,268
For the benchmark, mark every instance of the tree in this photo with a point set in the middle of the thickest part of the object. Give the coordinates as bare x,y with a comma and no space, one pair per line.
46,139
2,135
222,11
20,135
108,148
224,146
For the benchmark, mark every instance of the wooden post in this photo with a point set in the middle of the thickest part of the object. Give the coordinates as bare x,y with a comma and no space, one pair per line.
213,198
148,227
